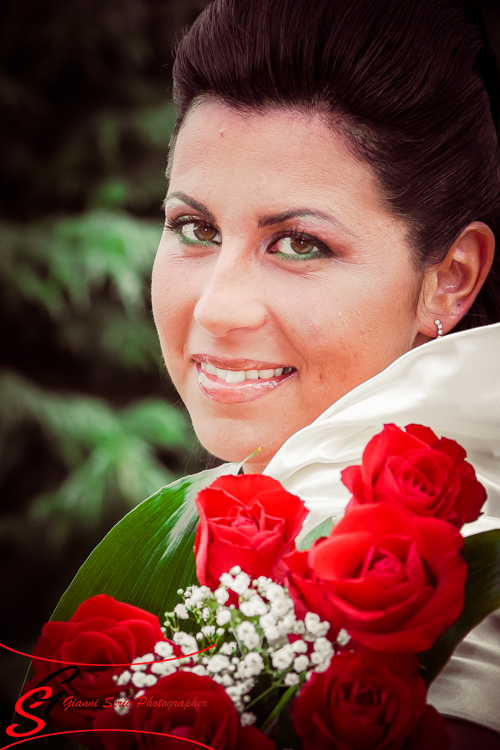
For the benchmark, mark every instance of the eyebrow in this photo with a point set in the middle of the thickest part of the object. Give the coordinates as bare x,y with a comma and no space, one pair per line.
265,221
190,202
299,213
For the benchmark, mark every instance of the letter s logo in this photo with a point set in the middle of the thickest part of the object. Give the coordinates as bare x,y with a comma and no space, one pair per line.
39,722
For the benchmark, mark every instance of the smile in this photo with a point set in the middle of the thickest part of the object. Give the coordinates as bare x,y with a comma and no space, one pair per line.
237,386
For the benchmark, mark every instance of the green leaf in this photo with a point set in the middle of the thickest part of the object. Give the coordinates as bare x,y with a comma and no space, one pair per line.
482,597
148,555
321,530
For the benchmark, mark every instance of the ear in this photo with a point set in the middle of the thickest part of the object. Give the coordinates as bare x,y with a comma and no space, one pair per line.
449,289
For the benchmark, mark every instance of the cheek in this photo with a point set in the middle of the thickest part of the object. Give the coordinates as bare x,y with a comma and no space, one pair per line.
172,301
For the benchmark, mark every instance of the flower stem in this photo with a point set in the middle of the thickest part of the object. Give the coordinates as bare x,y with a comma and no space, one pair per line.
273,687
281,704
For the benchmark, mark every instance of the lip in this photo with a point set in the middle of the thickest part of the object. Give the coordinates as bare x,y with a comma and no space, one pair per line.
224,363
237,393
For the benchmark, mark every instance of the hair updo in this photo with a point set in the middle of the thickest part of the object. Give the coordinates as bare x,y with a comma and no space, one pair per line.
410,84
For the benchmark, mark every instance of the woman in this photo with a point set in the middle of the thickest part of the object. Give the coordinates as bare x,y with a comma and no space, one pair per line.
333,203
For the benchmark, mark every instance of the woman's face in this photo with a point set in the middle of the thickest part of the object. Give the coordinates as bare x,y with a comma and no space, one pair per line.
281,282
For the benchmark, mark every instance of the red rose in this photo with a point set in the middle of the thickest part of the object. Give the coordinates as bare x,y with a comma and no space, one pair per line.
427,475
365,703
247,520
394,580
101,631
186,705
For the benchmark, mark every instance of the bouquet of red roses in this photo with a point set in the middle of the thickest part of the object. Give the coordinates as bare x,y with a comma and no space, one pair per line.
277,644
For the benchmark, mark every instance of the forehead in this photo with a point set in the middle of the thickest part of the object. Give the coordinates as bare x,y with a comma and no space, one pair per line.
278,158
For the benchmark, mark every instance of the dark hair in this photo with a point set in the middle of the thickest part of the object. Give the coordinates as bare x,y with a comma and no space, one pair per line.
406,81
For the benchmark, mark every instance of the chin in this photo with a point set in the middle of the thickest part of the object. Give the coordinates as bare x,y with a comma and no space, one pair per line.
229,444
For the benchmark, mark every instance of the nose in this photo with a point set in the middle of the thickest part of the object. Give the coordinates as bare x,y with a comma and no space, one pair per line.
232,297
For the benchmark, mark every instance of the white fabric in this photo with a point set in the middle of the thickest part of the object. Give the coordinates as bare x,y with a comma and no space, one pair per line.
452,385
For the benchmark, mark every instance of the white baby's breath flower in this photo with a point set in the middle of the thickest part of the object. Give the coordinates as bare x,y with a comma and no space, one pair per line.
301,663
289,620
200,670
227,580
343,637
245,628
312,622
248,635
291,678
122,708
197,596
323,666
208,630
317,658
217,663
255,605
263,584
299,627
181,611
280,607
227,680
199,636
315,626
234,692
164,668
282,658
275,591
164,649
235,570
221,595
140,680
227,648
284,631
299,647
223,616
247,718
187,642
323,646
251,665
205,613
272,635
138,667
124,678
267,621
240,583
220,631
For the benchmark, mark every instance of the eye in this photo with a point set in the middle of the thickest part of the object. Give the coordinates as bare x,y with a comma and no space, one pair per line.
193,231
298,245
198,231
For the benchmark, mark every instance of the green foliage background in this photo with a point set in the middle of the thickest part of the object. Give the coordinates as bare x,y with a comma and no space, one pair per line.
90,424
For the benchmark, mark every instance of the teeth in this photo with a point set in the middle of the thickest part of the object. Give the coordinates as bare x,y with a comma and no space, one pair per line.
235,376
238,376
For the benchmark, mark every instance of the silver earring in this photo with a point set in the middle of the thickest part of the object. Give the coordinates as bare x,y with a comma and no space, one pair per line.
439,327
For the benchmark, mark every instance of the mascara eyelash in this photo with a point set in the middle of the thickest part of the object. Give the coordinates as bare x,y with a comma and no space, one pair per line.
296,234
180,221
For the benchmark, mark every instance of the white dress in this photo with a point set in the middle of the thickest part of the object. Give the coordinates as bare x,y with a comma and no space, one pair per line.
452,385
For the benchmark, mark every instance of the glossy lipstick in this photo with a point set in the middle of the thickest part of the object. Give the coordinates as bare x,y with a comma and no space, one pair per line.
219,390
